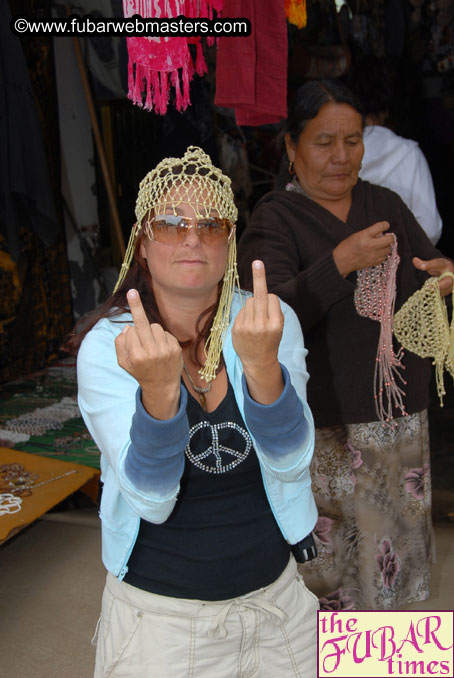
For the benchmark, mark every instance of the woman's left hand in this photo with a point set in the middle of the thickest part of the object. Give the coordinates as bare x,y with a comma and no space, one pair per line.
435,267
256,335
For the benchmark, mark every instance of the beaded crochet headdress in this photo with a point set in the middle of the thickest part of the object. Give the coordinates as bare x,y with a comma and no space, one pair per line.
422,327
195,180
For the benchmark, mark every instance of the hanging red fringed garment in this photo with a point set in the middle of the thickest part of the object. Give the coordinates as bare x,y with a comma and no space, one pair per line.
157,64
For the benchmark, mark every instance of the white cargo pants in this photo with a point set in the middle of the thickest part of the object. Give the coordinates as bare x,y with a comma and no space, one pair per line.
269,633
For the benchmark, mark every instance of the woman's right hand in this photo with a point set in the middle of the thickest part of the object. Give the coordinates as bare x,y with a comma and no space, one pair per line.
154,358
368,247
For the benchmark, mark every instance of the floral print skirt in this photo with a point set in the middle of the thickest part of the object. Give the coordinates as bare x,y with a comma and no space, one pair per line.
372,488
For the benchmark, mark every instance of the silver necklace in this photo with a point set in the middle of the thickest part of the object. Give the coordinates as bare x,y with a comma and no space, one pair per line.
198,389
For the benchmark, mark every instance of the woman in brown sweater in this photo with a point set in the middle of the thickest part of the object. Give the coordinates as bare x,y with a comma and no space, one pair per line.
371,477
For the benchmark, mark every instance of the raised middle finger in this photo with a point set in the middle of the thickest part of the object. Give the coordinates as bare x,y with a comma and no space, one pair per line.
139,317
260,289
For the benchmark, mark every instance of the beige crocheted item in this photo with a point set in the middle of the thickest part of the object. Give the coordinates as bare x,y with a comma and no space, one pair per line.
422,326
194,180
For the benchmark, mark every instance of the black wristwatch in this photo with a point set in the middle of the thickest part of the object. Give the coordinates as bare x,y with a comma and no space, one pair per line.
305,549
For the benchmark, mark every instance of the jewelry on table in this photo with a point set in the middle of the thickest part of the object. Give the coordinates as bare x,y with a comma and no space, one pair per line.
9,503
15,480
51,480
200,390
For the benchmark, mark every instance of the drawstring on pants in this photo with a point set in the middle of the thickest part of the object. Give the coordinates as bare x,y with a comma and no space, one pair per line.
259,604
94,640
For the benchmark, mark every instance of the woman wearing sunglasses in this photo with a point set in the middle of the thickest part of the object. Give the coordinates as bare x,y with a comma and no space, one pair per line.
196,398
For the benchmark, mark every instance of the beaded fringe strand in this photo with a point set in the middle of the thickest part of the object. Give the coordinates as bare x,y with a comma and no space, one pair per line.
375,298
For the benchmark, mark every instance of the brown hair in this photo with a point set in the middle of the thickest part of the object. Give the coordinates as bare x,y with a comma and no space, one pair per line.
139,278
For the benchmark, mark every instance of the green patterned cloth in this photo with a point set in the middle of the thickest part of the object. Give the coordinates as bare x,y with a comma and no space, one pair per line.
39,415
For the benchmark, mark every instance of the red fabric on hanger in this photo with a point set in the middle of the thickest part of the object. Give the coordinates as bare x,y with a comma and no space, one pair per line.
251,72
158,63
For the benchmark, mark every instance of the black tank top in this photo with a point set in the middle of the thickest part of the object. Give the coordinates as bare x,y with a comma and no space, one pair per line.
221,540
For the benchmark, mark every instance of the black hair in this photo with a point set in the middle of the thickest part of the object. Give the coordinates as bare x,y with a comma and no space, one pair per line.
305,106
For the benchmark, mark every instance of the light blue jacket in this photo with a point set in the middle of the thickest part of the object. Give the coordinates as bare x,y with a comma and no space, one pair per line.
108,402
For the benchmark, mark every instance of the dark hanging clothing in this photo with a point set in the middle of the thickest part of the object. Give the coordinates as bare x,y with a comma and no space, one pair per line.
26,197
35,304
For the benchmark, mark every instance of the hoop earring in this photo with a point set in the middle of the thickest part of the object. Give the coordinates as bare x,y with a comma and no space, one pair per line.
291,168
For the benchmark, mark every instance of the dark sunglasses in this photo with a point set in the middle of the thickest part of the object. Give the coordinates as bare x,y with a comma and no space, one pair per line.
172,229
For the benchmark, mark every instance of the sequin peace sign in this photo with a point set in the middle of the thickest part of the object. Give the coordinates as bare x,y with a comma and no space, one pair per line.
218,458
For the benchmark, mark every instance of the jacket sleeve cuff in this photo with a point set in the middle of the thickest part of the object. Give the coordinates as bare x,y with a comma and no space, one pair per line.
281,427
159,436
155,458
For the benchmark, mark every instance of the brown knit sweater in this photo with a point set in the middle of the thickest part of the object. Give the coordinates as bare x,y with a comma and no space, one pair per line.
295,237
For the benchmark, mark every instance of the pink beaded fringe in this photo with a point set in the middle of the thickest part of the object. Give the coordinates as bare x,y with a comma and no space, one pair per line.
375,297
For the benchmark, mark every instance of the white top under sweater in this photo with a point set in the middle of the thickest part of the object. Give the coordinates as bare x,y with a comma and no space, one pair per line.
399,164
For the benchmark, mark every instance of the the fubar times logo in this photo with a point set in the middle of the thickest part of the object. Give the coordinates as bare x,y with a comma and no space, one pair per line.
364,644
